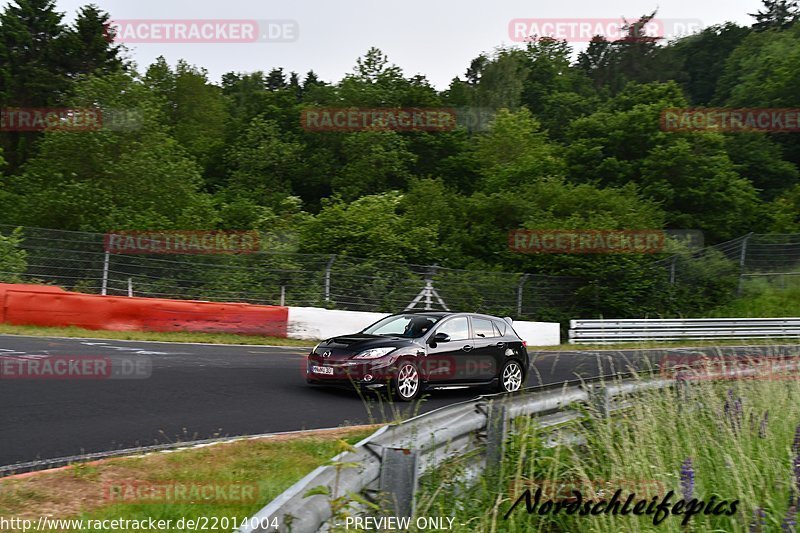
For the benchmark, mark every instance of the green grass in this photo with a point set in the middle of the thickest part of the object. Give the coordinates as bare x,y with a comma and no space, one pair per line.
762,300
642,450
85,491
171,336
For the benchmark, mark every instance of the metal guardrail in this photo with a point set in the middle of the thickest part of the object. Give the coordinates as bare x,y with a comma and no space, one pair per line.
606,331
390,461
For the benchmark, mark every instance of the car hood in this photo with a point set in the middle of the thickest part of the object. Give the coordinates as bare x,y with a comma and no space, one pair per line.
345,346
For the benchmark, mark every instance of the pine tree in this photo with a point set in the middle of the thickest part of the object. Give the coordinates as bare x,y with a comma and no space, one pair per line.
777,14
91,47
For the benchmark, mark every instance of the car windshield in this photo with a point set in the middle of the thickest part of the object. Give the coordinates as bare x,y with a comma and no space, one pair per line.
409,326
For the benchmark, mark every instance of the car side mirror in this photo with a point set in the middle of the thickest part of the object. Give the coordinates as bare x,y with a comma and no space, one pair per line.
440,337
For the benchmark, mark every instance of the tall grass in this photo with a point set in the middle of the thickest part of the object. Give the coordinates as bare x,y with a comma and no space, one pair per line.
737,440
763,299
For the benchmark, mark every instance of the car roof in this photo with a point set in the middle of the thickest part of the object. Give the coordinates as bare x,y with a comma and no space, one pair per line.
443,314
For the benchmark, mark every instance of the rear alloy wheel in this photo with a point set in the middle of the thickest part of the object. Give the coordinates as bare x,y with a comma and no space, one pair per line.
511,377
407,382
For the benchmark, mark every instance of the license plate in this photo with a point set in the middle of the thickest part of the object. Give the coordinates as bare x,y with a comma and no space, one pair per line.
322,370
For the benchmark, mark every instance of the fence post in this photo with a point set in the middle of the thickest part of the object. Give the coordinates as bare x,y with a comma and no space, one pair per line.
398,480
742,257
672,269
130,287
104,288
522,281
496,430
328,278
283,295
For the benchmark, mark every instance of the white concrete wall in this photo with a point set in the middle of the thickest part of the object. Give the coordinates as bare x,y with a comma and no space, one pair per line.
539,333
314,323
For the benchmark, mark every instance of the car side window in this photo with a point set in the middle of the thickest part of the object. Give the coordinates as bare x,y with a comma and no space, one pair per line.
482,328
457,328
501,326
496,330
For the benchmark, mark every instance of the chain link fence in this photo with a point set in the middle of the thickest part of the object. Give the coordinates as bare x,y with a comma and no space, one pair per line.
78,261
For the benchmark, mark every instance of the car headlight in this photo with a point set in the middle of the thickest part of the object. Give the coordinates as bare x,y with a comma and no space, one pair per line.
374,353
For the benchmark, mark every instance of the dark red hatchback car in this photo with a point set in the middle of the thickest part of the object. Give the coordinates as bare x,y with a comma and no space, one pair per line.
409,352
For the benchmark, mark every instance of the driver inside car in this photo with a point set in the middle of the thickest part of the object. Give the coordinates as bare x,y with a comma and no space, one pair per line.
417,327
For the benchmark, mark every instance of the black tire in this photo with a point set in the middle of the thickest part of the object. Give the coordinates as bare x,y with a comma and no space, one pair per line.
407,382
511,377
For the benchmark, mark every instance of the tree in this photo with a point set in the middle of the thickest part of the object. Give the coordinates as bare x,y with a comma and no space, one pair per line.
195,110
370,226
262,163
515,152
690,174
276,79
33,64
90,48
136,178
13,259
374,162
697,61
776,15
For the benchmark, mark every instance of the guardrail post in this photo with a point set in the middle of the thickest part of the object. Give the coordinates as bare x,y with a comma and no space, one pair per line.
496,430
599,399
398,480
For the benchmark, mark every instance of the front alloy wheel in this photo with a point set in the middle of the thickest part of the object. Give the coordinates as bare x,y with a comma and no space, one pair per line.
511,377
407,383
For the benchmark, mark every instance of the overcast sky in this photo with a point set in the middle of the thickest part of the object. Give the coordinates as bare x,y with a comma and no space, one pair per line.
437,38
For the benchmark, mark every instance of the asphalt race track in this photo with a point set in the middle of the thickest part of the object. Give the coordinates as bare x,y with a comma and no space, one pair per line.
197,391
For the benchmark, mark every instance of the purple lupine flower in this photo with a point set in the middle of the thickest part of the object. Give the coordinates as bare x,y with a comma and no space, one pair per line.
734,413
796,443
762,428
790,521
738,413
796,470
759,521
687,479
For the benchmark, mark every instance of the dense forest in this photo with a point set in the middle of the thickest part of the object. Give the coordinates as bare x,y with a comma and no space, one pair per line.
575,142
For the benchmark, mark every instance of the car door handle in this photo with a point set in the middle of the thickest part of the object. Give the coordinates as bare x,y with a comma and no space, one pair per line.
466,347
500,344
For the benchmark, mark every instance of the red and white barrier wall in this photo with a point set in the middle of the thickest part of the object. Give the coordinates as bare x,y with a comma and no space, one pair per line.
43,305
51,306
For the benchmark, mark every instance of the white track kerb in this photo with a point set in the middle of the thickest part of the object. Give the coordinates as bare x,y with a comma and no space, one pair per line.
314,323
